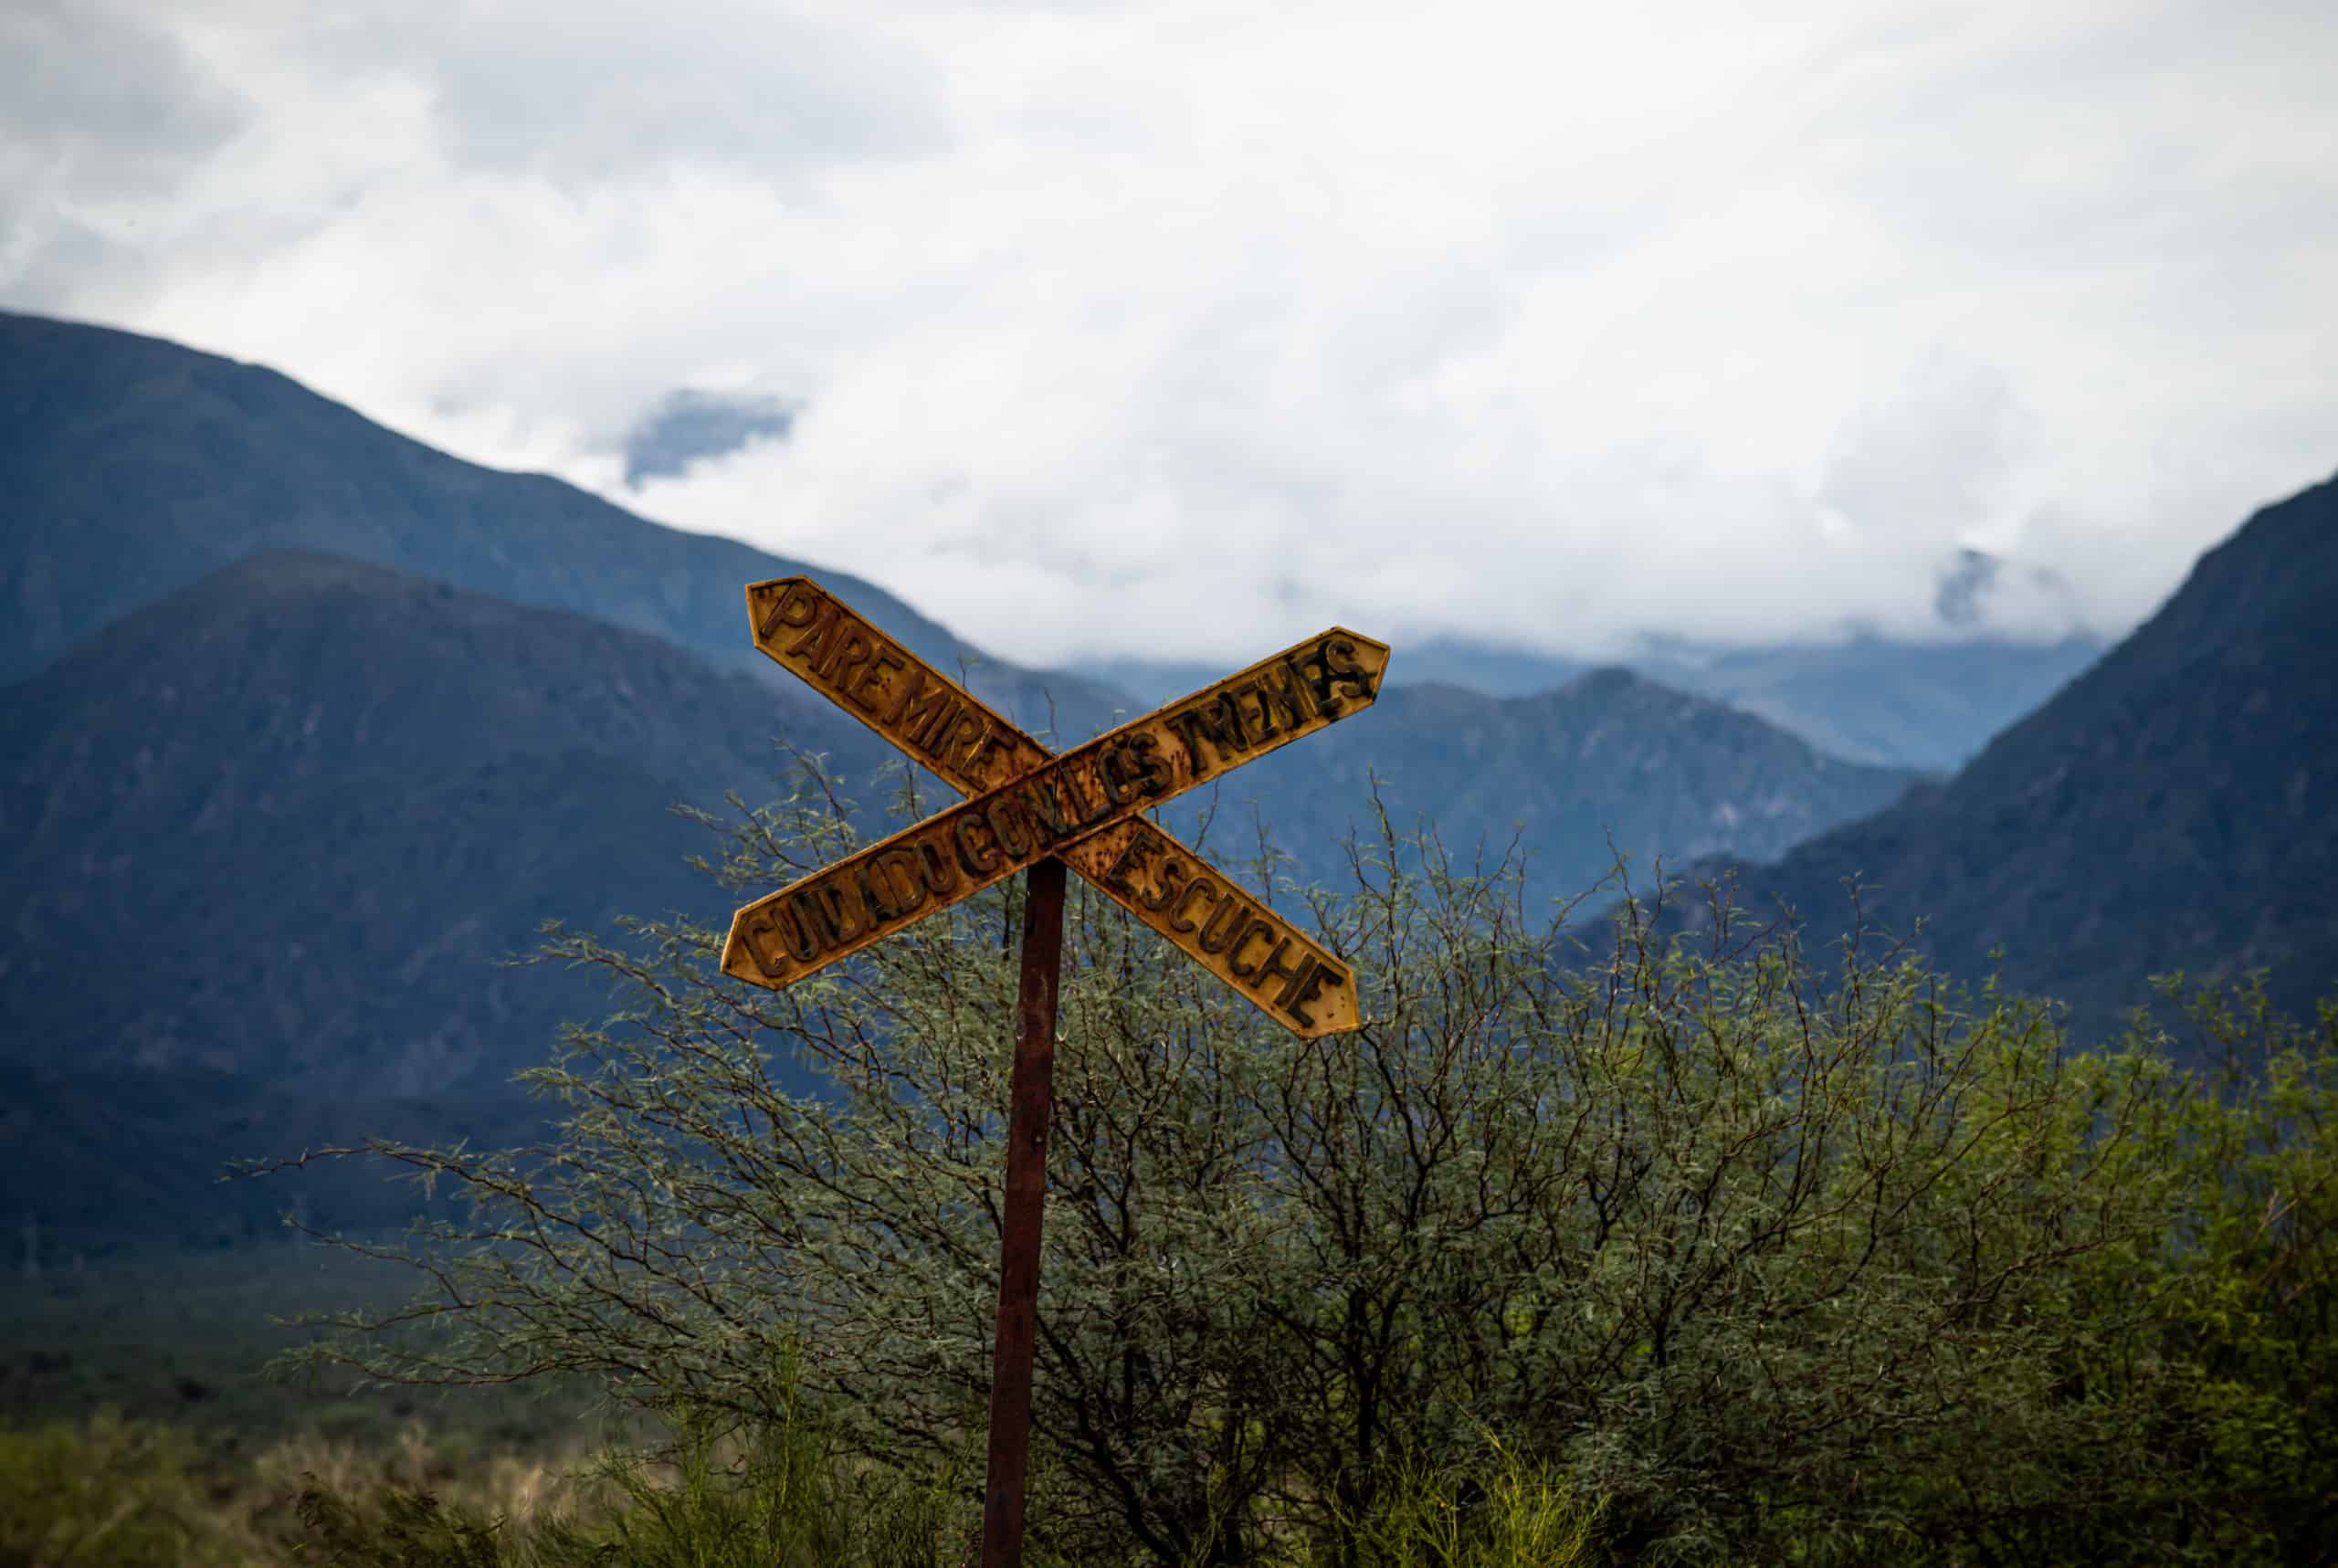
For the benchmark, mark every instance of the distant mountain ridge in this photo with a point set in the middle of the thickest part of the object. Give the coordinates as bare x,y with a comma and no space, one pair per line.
1866,699
2175,807
277,829
304,806
1609,762
271,825
134,465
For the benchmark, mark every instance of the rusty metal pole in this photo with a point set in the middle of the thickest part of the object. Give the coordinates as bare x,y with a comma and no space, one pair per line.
1030,1096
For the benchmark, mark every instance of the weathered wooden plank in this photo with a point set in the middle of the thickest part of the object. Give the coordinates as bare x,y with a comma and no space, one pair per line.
973,748
1099,788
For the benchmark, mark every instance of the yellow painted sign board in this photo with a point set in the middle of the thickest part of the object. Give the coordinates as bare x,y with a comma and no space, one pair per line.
1084,807
1026,807
974,749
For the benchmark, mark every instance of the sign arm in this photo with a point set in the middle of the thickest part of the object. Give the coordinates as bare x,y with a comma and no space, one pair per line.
971,747
1098,785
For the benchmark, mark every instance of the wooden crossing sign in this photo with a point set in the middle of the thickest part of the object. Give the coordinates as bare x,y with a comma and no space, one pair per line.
1025,804
1027,809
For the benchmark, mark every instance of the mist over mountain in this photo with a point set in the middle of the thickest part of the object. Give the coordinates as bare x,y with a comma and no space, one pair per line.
1608,763
134,466
284,823
315,724
1864,698
1872,698
2175,807
689,425
267,833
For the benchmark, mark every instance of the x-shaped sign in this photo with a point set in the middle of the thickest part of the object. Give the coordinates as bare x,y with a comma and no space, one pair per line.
1024,803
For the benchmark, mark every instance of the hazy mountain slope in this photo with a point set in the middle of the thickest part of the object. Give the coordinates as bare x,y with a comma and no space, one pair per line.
1607,754
131,467
283,823
2174,807
1914,704
300,808
1867,699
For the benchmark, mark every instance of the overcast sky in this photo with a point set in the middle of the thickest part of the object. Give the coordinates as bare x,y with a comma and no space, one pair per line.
1182,329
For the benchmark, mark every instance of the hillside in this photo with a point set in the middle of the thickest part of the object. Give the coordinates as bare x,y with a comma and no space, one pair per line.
282,823
1608,755
2174,807
1921,705
133,466
1868,698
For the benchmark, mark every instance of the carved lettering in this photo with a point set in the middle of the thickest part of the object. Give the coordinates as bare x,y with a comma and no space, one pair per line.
1301,992
1012,840
977,860
1179,919
1317,673
1045,808
1081,814
1339,658
811,646
841,915
808,935
1171,884
802,938
872,898
794,605
868,688
1237,722
1226,922
1262,723
1026,804
1234,964
1274,966
992,741
1288,690
904,882
846,652
969,729
1157,776
763,945
936,720
919,701
1194,723
1108,774
934,868
1131,857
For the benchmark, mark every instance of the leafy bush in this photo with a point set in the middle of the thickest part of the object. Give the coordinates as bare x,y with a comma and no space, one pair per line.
107,1493
1780,1261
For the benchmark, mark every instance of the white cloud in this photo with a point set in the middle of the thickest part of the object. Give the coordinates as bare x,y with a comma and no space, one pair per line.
1179,329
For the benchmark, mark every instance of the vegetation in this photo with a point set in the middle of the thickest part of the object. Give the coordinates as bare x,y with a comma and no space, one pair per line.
1753,1258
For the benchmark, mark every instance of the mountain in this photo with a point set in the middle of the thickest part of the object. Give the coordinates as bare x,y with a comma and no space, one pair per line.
313,725
1609,755
281,823
1870,699
264,842
1492,669
307,801
133,466
1875,699
2173,807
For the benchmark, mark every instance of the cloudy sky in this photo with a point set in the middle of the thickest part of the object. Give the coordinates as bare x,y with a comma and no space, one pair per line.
1182,328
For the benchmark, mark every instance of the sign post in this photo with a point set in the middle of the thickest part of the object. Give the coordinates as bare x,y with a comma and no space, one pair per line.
1029,810
1030,1098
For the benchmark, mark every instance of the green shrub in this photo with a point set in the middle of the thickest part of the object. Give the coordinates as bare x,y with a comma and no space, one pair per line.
1779,1261
106,1493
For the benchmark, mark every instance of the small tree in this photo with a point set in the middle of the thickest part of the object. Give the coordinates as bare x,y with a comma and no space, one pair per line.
1780,1269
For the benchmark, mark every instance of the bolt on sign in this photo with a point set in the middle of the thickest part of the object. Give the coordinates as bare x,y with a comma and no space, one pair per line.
1027,809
